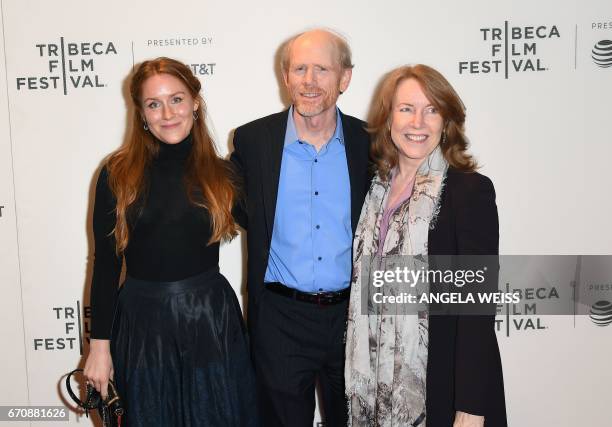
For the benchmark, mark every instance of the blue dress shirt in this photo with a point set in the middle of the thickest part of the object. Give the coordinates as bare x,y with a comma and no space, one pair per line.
312,236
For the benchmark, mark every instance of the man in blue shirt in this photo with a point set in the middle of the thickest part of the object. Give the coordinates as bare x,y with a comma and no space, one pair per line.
305,176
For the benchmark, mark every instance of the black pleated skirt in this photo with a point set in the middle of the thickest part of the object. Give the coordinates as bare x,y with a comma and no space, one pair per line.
181,354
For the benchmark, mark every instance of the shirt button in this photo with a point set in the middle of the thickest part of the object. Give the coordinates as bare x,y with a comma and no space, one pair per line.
316,193
320,289
318,226
316,160
319,258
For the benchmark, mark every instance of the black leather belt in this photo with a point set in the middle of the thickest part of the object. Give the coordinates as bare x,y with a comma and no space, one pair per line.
319,298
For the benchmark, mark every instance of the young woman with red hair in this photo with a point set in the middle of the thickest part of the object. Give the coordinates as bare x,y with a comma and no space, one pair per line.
173,337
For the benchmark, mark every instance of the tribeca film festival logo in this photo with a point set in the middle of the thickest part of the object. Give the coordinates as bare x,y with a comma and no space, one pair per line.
511,50
523,316
71,329
68,66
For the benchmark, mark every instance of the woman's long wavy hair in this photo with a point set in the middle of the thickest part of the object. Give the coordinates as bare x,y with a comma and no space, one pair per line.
442,95
205,174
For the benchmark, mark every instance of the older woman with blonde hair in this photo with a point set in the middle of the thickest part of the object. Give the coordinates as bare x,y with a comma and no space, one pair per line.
425,199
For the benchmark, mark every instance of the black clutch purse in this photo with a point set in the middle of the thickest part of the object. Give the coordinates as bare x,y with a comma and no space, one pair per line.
109,409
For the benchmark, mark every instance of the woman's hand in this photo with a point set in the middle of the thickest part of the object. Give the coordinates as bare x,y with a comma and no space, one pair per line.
463,419
99,365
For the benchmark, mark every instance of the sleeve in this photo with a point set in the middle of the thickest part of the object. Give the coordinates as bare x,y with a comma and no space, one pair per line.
107,265
239,211
477,362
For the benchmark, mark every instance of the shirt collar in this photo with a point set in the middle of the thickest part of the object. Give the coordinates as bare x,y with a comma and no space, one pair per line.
291,135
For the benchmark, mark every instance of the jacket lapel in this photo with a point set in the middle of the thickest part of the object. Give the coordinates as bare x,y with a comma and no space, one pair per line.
271,164
355,175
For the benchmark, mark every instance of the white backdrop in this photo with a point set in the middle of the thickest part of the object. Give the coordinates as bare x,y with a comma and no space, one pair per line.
541,133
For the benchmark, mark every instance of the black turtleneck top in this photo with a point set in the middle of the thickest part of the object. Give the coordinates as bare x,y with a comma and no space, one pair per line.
168,234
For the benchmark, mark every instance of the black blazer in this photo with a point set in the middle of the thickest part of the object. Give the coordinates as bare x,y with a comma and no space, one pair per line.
258,151
464,370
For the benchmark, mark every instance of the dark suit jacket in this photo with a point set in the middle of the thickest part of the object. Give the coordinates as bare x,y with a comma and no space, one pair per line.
258,151
464,368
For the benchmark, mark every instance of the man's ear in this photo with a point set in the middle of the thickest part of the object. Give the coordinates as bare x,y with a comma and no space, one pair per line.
345,79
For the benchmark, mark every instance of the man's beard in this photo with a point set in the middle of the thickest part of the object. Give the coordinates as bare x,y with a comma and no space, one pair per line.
311,109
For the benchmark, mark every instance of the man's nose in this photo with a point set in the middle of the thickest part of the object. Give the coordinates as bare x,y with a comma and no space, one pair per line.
309,76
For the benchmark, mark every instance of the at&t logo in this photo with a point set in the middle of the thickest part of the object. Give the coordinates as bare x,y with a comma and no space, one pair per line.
602,53
601,313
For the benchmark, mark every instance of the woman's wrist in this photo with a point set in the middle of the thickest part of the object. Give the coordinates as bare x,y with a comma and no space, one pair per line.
98,345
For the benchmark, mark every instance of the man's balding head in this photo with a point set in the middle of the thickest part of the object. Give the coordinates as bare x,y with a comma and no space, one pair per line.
341,47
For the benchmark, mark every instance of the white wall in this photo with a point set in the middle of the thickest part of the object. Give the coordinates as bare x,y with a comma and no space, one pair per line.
542,136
